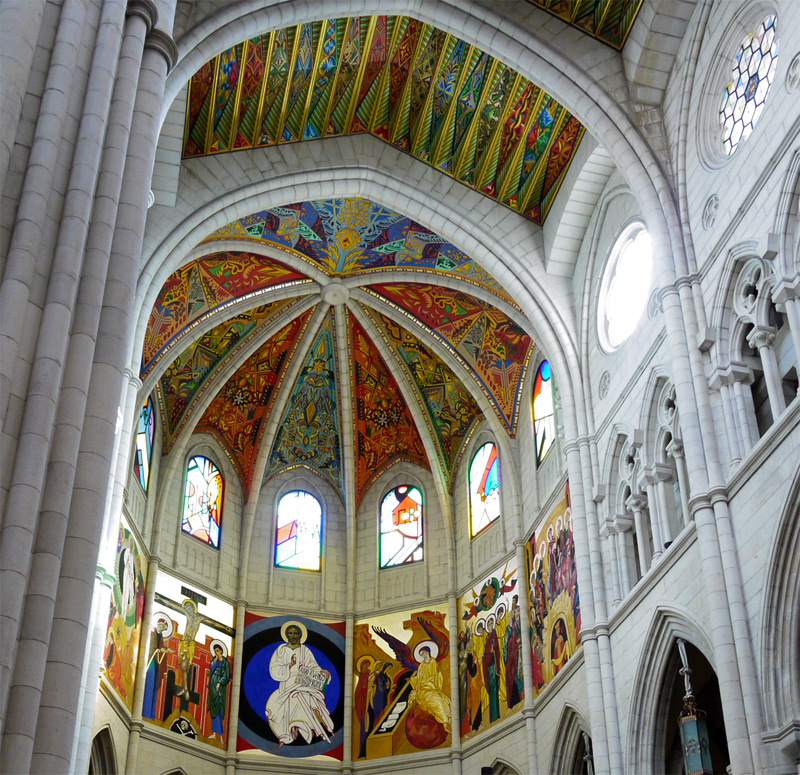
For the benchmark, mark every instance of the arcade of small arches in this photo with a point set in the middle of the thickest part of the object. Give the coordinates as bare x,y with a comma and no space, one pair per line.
441,402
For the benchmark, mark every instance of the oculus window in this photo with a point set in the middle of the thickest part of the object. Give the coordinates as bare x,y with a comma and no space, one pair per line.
752,72
484,488
625,286
202,503
401,526
543,419
145,435
298,538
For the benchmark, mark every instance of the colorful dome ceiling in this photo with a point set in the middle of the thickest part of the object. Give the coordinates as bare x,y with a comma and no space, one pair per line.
250,339
412,85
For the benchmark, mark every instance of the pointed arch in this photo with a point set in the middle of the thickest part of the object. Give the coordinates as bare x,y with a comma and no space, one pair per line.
571,726
780,625
102,758
648,700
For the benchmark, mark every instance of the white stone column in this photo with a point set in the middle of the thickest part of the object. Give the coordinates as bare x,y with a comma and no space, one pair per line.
622,524
676,451
94,460
786,296
722,380
637,504
763,338
744,409
232,757
662,474
19,29
608,531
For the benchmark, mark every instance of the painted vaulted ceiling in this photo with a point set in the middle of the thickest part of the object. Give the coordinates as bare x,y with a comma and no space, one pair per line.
414,86
609,21
230,345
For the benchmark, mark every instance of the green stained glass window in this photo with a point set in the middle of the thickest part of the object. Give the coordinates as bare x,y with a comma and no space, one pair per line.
401,526
145,435
202,503
543,418
298,538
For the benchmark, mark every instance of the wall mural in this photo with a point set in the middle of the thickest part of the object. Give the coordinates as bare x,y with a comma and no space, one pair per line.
292,699
490,345
182,382
125,617
385,430
401,684
347,236
189,663
425,91
309,430
202,286
489,652
451,407
238,412
554,600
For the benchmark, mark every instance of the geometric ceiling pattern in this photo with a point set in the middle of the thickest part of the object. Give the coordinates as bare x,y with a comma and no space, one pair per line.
203,287
609,21
493,348
422,90
349,236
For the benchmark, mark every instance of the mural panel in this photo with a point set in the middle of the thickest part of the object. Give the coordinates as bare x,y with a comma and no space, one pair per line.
385,430
351,235
125,617
203,286
401,684
554,600
292,699
189,663
491,686
490,345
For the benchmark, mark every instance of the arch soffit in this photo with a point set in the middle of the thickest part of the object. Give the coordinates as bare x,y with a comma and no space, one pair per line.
539,60
780,624
786,219
659,378
668,623
617,439
571,723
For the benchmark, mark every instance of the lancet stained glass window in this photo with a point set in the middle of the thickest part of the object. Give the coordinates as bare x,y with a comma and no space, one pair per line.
484,488
543,420
202,503
401,526
298,540
145,435
752,71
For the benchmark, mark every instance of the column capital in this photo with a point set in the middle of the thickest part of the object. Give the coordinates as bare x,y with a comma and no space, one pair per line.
761,336
786,288
607,528
133,378
146,9
622,523
675,449
687,280
164,44
637,502
730,373
658,472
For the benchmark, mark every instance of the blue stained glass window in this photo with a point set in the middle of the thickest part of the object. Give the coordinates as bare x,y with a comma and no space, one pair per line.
298,539
484,488
543,419
145,435
202,503
401,526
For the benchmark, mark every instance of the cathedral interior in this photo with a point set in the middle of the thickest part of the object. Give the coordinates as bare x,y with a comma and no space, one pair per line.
406,386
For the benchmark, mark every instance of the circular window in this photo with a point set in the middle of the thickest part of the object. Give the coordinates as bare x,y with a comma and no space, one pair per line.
752,72
625,286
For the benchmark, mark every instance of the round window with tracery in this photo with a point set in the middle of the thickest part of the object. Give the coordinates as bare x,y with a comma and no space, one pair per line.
752,72
625,286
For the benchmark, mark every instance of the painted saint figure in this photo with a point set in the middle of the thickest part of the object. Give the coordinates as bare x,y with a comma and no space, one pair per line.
560,648
297,707
491,669
427,692
219,676
154,665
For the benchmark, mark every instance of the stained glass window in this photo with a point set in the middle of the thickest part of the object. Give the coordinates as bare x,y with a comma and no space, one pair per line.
202,504
484,488
298,540
752,71
145,434
543,420
401,526
625,286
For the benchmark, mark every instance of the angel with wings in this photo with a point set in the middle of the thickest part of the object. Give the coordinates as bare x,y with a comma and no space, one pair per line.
422,663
